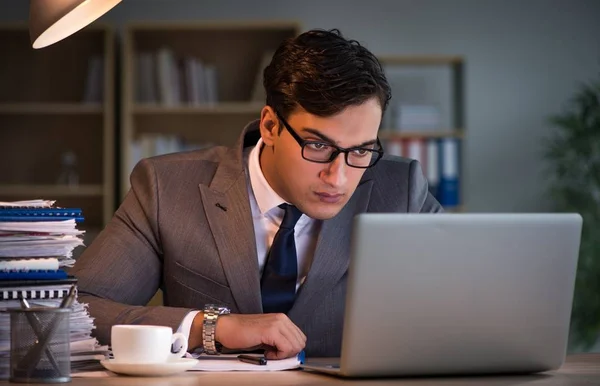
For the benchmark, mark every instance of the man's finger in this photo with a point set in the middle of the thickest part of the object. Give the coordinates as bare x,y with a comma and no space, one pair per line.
281,343
278,354
291,335
301,335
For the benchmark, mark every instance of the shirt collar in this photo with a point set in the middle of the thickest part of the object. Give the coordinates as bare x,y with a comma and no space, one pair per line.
266,197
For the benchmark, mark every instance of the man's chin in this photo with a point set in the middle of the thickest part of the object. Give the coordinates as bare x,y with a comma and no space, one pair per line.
324,211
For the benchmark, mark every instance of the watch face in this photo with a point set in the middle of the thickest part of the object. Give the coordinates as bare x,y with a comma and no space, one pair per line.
224,311
217,309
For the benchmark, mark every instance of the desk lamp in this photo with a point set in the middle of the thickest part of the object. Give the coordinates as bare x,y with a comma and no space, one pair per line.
54,20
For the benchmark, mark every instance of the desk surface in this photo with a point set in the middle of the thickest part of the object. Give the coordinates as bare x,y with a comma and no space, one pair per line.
579,370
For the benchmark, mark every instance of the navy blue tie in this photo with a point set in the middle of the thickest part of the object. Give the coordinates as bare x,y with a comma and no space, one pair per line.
278,283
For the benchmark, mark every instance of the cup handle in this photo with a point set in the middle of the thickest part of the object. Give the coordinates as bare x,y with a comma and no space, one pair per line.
184,345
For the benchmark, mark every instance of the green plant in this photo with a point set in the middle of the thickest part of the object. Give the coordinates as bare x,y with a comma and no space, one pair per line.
573,153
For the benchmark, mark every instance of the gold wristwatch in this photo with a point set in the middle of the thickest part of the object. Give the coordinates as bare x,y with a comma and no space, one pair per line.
209,324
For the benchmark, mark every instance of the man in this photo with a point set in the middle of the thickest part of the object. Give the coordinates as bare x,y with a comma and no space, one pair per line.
262,229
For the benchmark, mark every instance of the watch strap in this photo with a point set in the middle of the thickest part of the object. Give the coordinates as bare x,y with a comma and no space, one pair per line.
211,315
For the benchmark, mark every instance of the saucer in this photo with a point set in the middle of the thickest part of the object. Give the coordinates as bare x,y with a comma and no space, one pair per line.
150,369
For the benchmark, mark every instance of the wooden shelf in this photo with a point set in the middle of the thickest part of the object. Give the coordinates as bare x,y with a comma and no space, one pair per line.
236,51
436,84
42,110
50,191
389,134
218,108
50,108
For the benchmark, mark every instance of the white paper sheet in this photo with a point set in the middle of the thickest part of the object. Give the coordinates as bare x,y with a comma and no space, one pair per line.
229,362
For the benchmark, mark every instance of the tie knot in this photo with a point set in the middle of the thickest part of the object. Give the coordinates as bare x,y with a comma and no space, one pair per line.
291,216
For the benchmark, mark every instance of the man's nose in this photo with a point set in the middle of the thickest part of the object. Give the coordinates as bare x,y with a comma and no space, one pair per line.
335,172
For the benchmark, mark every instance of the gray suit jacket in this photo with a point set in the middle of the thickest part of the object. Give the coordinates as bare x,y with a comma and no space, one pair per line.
170,233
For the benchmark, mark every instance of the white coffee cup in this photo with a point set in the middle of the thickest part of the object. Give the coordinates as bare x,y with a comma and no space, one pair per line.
145,344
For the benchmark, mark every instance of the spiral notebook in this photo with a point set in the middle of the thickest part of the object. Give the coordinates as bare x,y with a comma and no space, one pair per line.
49,291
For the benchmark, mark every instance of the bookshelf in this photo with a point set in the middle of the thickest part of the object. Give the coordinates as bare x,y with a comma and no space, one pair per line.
222,61
425,120
55,101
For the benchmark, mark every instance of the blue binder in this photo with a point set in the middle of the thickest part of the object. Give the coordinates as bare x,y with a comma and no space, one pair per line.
33,275
40,214
29,218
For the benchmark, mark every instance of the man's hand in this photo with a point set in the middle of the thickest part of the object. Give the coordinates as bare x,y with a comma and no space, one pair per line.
274,332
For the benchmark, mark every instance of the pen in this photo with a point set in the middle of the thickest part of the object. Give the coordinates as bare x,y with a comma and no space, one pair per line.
34,354
68,300
261,361
35,324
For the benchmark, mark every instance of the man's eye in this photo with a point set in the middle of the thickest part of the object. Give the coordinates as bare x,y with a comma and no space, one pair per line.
361,152
318,146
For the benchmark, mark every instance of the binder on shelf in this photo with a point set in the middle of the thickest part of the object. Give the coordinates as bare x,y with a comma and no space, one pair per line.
448,190
416,149
433,167
440,162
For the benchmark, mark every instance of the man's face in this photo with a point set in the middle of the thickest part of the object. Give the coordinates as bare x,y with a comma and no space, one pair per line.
319,190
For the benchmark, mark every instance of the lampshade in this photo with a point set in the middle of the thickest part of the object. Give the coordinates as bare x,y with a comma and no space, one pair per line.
54,20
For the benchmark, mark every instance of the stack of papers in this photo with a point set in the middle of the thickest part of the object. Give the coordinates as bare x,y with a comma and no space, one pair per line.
37,229
36,241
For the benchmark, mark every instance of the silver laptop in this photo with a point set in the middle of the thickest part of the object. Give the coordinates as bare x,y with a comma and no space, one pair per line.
458,294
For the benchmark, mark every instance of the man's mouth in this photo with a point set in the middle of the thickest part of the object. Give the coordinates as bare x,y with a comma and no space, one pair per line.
329,198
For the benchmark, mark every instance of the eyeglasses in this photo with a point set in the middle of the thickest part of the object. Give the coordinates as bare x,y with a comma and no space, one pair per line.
325,152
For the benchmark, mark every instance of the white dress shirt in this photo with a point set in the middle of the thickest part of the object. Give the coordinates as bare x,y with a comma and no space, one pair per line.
267,217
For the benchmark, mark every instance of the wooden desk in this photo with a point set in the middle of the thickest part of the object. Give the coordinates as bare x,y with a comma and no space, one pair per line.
579,370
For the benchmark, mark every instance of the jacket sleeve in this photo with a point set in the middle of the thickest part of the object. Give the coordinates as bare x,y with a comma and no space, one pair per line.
420,200
122,269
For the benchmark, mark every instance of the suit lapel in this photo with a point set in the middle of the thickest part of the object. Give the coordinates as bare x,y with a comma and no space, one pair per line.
227,208
332,254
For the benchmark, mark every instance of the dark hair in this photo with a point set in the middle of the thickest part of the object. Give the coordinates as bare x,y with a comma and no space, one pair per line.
324,73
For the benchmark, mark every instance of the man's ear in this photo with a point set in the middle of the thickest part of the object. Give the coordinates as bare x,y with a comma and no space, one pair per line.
269,125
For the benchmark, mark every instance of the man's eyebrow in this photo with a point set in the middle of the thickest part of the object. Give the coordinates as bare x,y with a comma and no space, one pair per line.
326,138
